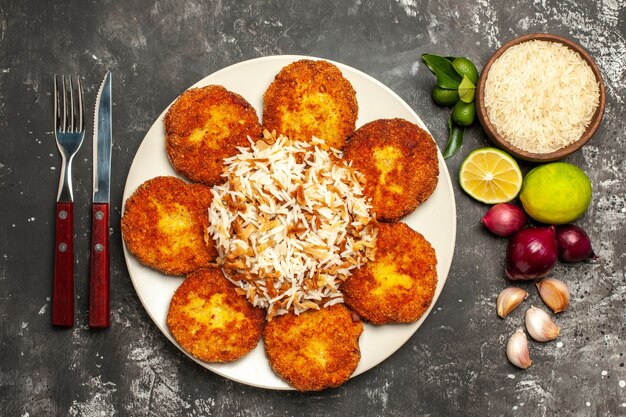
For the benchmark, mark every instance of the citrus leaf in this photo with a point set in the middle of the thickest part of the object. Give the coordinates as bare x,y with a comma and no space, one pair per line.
467,89
447,77
455,140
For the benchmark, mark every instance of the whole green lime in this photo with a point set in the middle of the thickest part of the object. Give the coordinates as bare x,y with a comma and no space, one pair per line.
445,96
464,66
556,193
463,113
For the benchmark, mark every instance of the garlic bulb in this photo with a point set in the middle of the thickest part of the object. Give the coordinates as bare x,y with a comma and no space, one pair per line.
509,299
517,350
554,293
540,326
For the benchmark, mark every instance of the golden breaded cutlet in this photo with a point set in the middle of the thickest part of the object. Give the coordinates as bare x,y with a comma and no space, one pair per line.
210,321
204,126
316,350
399,285
399,162
311,98
165,223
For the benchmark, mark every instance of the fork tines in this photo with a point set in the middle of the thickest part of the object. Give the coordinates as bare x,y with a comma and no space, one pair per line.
74,122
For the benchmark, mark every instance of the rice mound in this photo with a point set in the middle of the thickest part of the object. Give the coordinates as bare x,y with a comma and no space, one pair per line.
290,224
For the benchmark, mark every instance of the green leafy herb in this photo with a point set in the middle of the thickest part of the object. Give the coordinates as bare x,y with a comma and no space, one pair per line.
456,87
455,140
447,77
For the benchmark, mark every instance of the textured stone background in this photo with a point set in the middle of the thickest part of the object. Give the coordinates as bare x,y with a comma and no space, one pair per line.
454,365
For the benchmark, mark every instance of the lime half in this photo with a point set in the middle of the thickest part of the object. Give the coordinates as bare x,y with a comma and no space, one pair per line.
491,176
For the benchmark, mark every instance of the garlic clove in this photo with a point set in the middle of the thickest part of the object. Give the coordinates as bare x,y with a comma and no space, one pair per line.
517,350
509,299
554,293
540,326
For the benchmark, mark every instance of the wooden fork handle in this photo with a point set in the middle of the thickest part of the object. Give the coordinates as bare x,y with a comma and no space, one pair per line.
99,305
63,284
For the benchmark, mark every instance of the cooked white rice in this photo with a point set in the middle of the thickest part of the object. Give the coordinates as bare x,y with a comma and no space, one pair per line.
290,224
540,96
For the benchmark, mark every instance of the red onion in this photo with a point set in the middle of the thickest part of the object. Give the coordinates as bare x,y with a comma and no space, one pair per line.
504,219
574,244
532,253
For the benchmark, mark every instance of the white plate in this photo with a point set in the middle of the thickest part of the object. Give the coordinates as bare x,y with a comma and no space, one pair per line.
435,219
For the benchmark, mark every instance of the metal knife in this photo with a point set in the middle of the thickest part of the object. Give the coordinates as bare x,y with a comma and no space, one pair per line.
99,305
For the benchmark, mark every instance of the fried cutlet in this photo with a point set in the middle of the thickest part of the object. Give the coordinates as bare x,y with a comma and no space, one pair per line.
210,321
316,350
165,225
311,98
204,126
399,162
400,284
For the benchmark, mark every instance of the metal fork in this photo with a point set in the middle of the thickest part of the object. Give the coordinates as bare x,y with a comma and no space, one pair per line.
69,131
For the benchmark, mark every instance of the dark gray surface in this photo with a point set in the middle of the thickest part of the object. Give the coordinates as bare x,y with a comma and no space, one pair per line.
454,365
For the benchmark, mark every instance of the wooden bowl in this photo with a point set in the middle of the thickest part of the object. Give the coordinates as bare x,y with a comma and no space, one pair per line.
531,156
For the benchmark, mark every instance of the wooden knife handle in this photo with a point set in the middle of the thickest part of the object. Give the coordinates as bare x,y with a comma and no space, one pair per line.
99,306
63,284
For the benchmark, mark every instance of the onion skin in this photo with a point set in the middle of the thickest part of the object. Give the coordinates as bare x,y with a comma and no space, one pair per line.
531,253
504,219
574,244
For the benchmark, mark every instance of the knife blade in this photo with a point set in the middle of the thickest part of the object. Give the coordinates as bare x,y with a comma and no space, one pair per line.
99,305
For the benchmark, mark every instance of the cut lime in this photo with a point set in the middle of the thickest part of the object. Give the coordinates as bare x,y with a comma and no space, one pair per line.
490,175
466,90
